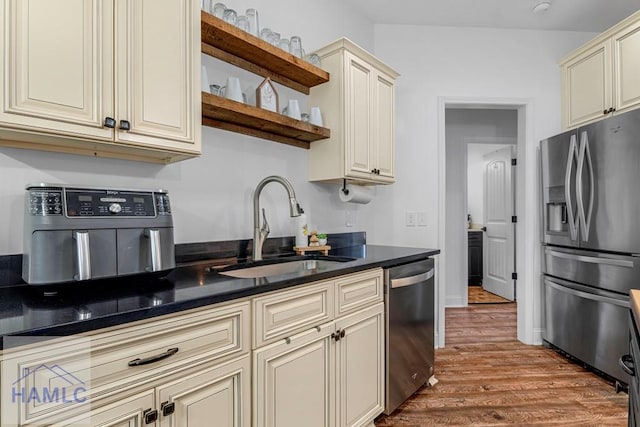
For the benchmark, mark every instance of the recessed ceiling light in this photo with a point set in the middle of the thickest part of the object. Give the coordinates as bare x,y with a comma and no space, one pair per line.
541,7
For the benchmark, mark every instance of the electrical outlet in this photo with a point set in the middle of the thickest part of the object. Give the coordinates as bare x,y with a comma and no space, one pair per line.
411,219
348,219
422,219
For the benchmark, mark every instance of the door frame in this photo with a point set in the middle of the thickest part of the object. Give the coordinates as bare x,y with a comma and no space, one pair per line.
527,254
498,140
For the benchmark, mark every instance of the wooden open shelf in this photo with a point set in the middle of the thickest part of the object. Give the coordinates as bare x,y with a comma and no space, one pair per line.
237,117
244,50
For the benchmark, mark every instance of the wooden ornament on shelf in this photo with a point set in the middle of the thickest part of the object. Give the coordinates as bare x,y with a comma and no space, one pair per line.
300,250
266,96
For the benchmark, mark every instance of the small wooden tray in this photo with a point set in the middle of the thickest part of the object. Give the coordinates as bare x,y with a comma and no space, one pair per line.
300,250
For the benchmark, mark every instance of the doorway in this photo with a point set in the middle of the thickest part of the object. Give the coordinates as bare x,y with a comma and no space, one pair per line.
527,261
490,207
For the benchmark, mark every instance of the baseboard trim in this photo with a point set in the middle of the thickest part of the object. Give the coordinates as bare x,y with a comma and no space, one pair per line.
455,301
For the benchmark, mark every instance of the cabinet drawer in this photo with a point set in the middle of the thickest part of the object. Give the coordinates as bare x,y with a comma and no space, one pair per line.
358,291
285,313
100,364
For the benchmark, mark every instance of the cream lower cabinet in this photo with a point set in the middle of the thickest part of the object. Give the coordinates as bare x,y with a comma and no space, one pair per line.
360,367
114,78
330,374
217,396
128,412
603,76
185,369
358,106
220,396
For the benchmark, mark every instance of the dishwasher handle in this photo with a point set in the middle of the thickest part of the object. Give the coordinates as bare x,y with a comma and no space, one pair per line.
412,280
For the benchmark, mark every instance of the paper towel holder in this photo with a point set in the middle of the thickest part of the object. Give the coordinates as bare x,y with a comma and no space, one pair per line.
345,190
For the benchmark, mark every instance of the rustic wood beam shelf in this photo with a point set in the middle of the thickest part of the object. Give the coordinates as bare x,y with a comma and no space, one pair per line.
230,44
237,117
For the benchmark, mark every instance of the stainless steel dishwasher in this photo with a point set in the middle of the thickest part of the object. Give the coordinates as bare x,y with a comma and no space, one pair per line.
409,305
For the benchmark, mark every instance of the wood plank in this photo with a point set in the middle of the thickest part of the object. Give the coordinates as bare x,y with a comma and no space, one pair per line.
252,67
488,378
238,117
243,49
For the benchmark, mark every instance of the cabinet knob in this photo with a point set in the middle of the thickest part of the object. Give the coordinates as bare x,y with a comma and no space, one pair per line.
125,125
605,111
484,229
342,333
109,122
167,408
612,109
150,416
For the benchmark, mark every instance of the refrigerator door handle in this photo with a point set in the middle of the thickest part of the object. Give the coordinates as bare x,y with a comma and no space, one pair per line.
591,259
573,154
584,215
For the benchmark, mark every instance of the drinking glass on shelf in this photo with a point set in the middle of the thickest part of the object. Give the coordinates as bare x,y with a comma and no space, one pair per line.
313,59
284,45
275,38
243,23
295,46
230,16
217,9
252,16
265,34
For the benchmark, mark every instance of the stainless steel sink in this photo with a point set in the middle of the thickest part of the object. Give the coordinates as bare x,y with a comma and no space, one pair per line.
281,268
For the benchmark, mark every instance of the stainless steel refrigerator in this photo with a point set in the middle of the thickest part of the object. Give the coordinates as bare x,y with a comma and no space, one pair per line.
591,239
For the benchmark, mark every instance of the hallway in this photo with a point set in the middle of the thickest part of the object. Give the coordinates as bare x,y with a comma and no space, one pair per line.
488,378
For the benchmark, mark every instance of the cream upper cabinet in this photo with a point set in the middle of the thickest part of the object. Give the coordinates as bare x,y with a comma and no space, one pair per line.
626,53
587,85
603,76
113,78
57,71
358,106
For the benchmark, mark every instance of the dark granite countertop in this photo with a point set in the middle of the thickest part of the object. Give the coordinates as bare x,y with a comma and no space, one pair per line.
80,307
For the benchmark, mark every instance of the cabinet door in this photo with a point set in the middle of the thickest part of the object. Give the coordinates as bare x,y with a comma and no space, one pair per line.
157,73
294,380
127,412
587,85
360,367
626,47
384,127
358,117
219,396
56,71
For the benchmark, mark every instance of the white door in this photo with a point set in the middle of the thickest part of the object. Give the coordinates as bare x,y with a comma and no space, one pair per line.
498,253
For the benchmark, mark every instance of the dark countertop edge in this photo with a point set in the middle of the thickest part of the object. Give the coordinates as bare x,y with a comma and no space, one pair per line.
176,307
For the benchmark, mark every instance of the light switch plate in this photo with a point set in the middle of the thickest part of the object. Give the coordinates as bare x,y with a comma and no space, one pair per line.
422,219
411,219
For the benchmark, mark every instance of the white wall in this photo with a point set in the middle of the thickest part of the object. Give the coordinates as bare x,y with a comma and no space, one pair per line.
466,126
211,196
447,62
475,187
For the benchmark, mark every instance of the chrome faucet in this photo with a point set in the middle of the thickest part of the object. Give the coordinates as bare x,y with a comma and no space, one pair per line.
260,233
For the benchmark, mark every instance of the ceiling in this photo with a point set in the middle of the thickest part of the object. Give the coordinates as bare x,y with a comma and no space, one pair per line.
568,15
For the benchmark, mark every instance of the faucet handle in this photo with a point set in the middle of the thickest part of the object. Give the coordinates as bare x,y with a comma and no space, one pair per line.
265,226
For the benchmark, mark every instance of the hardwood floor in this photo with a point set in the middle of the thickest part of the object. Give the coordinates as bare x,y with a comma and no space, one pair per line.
488,378
477,295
